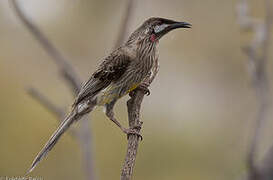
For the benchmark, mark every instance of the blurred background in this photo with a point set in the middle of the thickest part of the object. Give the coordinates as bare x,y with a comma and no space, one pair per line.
198,120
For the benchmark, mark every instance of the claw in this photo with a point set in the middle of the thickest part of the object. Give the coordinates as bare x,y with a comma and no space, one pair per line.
144,88
141,87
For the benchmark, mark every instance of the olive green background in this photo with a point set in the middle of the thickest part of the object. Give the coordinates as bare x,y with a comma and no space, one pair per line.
198,120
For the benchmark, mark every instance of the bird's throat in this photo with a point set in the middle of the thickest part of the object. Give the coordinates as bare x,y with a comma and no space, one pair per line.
153,38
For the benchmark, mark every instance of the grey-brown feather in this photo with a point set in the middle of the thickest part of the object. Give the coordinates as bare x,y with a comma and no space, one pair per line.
109,70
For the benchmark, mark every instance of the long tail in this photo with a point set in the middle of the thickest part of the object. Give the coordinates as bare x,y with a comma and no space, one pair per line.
72,117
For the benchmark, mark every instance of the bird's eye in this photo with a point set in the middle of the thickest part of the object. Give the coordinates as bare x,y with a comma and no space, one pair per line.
159,28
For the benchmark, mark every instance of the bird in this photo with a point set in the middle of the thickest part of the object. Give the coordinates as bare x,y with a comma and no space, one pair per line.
118,74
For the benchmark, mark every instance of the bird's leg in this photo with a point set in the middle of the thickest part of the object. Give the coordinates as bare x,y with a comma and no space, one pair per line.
110,114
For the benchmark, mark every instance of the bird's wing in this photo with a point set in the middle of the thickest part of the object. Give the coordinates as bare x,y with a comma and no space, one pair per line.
110,70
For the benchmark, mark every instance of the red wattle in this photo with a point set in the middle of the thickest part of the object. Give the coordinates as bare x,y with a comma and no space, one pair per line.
153,38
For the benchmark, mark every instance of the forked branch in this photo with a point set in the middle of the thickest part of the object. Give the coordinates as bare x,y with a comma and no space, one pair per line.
72,80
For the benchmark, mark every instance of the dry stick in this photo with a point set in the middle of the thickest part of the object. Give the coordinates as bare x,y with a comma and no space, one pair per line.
72,80
52,108
35,94
123,31
66,69
258,74
262,92
134,105
266,168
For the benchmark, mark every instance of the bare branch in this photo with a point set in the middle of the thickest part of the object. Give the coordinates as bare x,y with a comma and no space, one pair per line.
123,31
72,80
266,168
134,105
66,69
257,69
85,139
45,102
35,94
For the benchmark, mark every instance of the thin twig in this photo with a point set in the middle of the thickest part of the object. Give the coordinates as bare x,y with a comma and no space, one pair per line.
85,139
123,31
66,69
52,108
134,105
257,69
266,167
44,101
72,80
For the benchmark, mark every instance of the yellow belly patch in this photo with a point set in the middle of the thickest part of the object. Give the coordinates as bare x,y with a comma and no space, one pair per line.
109,94
132,88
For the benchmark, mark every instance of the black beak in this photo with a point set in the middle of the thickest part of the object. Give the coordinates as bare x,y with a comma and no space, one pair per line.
173,25
176,25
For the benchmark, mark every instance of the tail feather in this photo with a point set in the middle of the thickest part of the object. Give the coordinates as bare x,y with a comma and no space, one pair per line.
54,138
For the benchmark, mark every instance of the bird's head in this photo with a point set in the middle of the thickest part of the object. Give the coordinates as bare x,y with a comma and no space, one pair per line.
154,28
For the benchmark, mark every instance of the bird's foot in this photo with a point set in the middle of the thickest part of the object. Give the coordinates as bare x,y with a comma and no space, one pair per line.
134,130
142,87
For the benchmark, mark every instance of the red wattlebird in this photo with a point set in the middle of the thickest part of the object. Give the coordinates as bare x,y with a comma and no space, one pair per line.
117,75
